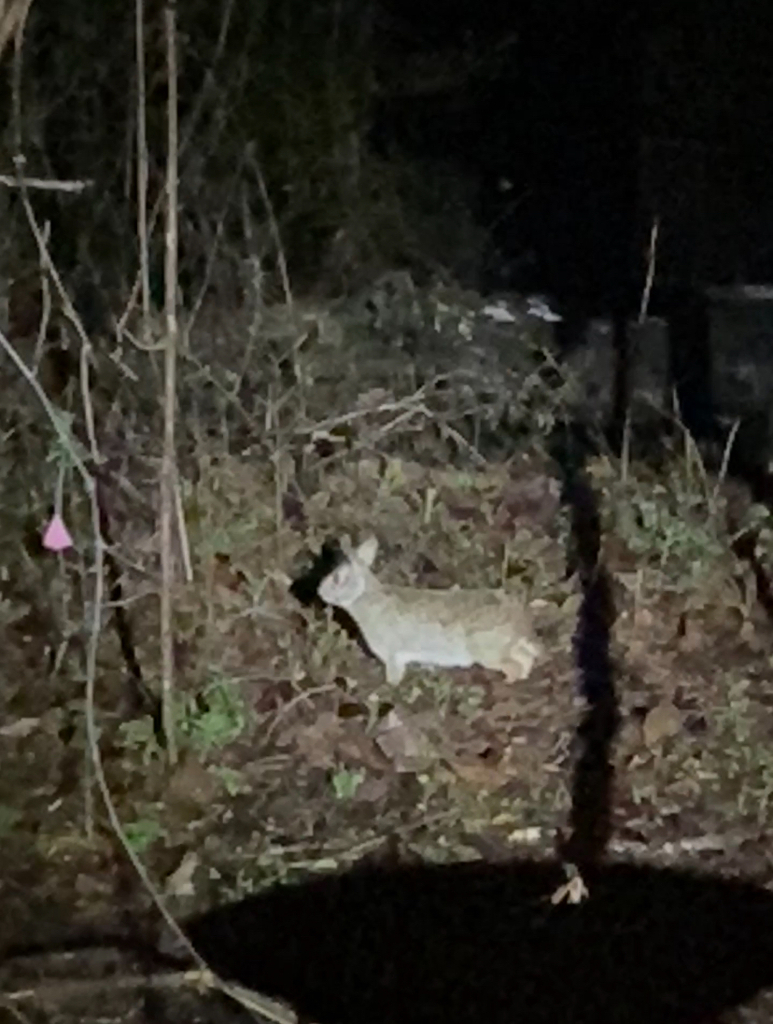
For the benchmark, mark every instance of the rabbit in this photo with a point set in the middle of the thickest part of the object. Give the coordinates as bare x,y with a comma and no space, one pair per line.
453,628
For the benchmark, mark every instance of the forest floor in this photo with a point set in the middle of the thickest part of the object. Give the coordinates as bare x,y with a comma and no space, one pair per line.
297,758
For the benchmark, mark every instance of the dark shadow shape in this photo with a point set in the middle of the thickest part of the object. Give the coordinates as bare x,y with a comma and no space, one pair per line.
141,700
692,371
593,776
690,358
745,549
477,942
304,589
142,950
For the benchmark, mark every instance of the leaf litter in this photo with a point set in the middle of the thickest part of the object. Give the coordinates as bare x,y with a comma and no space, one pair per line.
298,756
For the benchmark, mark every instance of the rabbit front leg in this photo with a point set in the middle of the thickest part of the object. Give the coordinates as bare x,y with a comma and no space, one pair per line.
395,668
519,661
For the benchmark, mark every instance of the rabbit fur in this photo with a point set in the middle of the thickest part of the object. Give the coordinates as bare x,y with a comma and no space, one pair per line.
452,628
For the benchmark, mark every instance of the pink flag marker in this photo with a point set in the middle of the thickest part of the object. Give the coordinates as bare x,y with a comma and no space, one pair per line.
57,536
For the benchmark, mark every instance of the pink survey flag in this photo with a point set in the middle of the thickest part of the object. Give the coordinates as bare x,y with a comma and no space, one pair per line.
57,536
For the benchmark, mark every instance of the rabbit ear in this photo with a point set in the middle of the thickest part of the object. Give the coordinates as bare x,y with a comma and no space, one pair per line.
366,552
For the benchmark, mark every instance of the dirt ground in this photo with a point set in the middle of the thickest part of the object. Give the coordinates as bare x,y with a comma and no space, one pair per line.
297,758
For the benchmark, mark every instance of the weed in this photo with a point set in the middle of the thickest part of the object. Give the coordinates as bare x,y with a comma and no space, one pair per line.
346,782
747,761
138,734
208,720
233,780
215,717
672,523
675,529
143,832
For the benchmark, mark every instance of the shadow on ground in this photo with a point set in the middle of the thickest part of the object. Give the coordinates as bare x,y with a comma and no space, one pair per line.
481,942
474,942
478,942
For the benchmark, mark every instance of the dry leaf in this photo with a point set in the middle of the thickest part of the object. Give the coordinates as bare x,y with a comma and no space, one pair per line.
574,891
661,722
406,746
180,881
570,609
355,746
693,638
372,789
643,617
192,784
481,774
317,742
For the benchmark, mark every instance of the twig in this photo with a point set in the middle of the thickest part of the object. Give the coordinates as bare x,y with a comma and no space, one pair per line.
17,28
151,346
168,474
60,991
643,307
58,423
88,409
92,747
651,254
12,22
416,399
725,461
185,142
274,228
142,170
45,313
283,273
67,441
91,672
16,1014
304,695
690,445
280,1016
93,644
214,250
45,184
182,531
625,454
461,440
45,256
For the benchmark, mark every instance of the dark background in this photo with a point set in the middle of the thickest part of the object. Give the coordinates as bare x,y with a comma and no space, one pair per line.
504,146
609,112
598,115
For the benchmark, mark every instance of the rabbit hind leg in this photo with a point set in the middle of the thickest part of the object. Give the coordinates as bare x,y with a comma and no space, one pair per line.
519,661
